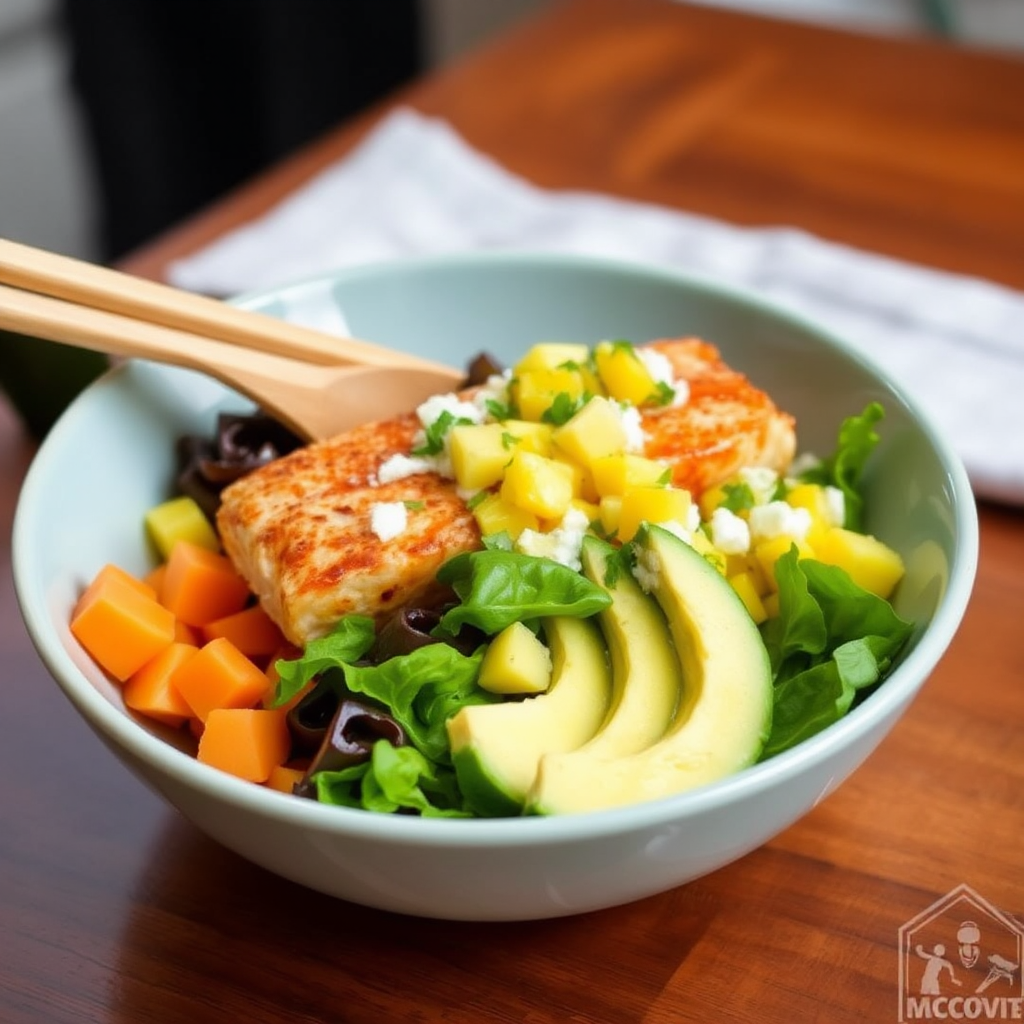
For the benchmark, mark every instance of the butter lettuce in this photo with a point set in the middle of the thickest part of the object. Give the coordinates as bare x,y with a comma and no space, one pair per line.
830,641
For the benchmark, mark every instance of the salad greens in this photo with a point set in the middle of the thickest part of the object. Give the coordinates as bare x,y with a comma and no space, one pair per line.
829,643
497,588
843,469
830,640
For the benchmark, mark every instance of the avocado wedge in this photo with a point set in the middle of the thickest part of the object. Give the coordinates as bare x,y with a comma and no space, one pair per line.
496,747
724,715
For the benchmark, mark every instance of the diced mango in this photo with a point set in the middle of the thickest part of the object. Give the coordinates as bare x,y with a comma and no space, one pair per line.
746,587
700,541
610,508
534,391
623,373
479,454
652,505
531,437
618,473
516,661
595,431
871,564
812,497
550,355
495,515
538,485
771,604
768,552
180,519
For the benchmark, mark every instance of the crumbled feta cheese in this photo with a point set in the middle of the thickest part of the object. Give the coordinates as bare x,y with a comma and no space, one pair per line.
562,544
729,532
388,519
397,467
632,424
657,365
835,506
762,482
430,410
647,570
777,519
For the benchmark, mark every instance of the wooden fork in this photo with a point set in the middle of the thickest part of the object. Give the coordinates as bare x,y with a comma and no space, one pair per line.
317,384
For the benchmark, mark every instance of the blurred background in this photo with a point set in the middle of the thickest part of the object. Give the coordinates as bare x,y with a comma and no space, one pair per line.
56,186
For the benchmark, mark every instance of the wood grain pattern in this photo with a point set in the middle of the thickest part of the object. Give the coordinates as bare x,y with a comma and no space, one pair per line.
115,910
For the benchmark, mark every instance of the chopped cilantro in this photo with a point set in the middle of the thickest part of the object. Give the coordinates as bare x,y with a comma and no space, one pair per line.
564,407
738,497
433,443
501,410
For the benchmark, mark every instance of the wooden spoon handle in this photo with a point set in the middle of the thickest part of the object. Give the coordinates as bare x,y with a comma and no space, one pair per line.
87,284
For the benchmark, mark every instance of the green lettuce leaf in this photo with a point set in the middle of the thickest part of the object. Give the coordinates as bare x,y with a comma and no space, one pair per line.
843,469
830,640
351,638
497,588
421,690
394,779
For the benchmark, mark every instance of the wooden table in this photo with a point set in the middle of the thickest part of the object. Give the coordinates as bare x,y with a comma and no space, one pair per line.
114,909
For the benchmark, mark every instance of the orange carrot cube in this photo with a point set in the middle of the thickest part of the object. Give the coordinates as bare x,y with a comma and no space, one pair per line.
200,585
120,624
251,630
246,742
150,692
218,676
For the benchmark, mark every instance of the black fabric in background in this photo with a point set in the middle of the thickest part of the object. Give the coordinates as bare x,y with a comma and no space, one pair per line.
183,99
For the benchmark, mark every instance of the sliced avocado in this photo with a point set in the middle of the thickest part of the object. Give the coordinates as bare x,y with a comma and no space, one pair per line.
645,671
725,714
496,747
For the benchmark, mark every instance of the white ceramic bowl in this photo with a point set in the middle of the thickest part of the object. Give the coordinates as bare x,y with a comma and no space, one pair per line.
111,457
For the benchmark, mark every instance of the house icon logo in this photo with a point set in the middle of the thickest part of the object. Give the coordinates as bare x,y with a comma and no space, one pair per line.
961,959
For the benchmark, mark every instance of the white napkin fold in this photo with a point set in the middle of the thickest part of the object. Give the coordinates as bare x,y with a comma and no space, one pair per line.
415,187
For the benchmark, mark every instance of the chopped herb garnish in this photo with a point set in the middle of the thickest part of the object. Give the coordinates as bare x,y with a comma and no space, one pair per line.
508,439
664,393
738,497
477,499
433,443
564,407
415,506
501,410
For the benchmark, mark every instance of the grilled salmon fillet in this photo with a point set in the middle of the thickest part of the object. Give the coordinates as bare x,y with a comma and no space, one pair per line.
299,529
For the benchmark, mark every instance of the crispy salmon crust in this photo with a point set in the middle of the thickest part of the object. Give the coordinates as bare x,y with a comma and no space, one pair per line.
299,529
725,425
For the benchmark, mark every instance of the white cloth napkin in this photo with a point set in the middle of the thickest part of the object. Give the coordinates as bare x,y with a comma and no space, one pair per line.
415,187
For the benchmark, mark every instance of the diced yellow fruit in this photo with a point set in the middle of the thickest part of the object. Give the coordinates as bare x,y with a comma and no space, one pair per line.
871,564
768,552
748,563
610,511
550,355
479,454
652,505
531,437
180,519
516,661
538,485
771,604
594,432
616,474
589,508
495,515
623,373
745,585
699,541
533,391
812,497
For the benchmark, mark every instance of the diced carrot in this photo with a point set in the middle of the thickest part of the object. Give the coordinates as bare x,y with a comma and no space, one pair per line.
109,570
155,579
121,625
284,779
201,585
251,630
150,692
219,676
185,634
246,742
